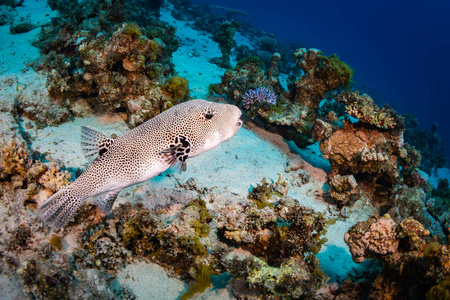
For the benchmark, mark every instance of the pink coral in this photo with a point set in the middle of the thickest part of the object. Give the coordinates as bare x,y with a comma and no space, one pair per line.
377,238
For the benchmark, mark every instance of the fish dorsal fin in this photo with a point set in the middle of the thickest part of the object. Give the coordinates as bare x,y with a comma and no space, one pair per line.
93,143
178,152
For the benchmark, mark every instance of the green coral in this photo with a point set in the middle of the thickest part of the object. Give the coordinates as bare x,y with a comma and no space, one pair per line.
132,29
177,87
203,281
201,225
130,230
334,71
440,291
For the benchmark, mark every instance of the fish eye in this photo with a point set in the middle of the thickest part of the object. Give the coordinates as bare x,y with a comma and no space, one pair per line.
209,114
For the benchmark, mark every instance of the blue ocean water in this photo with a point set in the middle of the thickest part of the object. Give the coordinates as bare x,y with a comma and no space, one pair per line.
398,49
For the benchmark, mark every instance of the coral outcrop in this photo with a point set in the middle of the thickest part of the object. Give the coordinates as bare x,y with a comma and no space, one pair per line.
296,109
370,148
113,65
322,74
412,266
226,42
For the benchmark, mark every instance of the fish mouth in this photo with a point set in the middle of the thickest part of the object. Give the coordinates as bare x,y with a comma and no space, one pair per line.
240,122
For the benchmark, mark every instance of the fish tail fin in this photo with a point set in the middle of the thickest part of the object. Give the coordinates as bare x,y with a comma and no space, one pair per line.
59,209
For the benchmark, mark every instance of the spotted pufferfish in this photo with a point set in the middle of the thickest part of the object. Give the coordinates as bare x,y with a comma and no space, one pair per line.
167,140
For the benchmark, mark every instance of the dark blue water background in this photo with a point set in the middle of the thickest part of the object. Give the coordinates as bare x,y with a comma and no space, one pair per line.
399,49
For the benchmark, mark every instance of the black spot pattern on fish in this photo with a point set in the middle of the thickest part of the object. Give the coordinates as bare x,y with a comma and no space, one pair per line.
183,131
104,146
183,149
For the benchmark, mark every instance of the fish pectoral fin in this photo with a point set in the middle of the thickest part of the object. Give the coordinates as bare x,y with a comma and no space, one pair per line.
180,166
178,152
94,143
106,201
169,154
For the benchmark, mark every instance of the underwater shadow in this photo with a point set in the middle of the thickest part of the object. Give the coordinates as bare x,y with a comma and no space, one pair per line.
310,154
337,263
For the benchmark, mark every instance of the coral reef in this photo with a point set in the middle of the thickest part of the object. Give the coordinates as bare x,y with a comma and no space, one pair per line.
19,172
296,109
344,189
412,267
363,108
113,65
248,74
370,160
322,74
194,244
371,150
370,155
372,238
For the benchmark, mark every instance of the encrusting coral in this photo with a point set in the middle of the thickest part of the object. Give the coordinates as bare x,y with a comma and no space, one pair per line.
412,265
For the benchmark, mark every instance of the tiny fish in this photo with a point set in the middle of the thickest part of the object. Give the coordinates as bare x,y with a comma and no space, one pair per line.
185,130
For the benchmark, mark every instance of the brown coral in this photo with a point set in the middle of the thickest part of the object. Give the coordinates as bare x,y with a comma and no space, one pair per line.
368,154
322,74
362,108
14,160
54,179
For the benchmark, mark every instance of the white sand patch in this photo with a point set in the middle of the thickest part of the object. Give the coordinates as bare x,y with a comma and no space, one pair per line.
63,142
150,281
16,51
192,58
11,288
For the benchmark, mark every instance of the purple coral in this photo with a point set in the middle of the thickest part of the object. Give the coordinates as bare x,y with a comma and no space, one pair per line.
258,95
